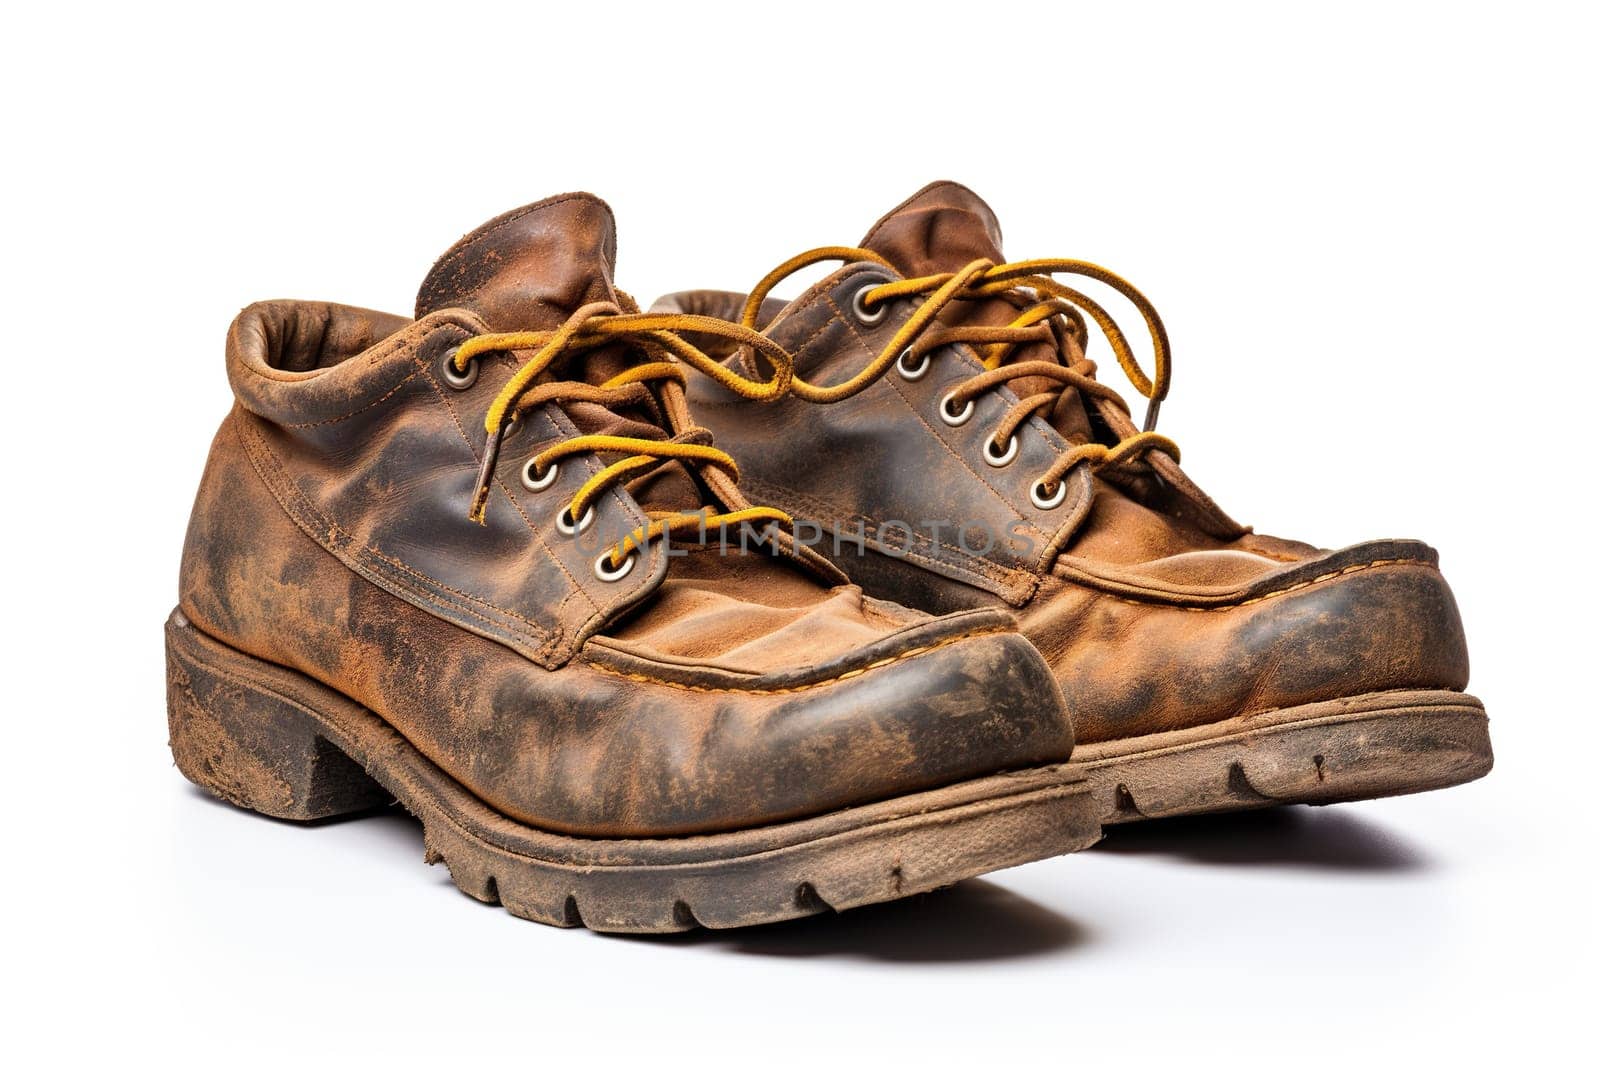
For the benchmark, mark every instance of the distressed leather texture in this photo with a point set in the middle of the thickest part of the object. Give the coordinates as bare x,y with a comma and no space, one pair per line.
698,694
1155,609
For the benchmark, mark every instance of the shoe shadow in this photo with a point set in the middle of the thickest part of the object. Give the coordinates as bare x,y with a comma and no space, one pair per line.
973,921
1335,840
390,825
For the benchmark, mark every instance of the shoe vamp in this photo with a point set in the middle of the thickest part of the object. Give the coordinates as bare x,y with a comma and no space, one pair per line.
1121,531
745,613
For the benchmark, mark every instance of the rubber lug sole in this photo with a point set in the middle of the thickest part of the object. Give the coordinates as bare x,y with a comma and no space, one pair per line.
272,740
1381,744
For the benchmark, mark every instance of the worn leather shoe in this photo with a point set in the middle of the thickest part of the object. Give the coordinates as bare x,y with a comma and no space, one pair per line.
447,560
973,460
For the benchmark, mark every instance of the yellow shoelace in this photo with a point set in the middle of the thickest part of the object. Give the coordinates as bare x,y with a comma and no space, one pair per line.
656,336
1046,307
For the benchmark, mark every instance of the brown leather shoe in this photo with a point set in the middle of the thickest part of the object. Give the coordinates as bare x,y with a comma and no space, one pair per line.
975,462
433,559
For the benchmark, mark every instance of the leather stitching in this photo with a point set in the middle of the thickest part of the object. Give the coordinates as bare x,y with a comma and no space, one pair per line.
351,414
977,475
443,587
847,675
338,540
974,565
575,586
376,354
1275,593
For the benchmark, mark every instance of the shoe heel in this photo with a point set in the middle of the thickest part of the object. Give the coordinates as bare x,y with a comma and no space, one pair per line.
254,748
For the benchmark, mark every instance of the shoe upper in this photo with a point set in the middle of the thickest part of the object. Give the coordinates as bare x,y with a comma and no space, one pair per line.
1155,609
359,523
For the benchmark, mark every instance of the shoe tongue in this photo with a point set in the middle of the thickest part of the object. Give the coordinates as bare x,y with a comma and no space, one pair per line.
941,229
529,268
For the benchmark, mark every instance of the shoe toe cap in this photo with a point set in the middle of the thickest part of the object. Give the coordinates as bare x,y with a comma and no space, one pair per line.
1372,618
668,753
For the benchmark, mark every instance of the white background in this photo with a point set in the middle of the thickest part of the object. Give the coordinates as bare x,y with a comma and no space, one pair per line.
1371,233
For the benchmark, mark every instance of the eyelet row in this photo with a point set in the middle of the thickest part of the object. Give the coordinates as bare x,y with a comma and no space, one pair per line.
564,522
948,415
461,380
991,453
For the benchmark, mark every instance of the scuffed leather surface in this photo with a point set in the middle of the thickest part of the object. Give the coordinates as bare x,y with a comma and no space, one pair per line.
1375,617
330,536
615,745
529,266
1155,610
375,457
891,458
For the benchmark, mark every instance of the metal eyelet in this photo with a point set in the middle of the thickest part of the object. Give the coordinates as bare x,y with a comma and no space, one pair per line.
1050,502
1005,457
955,418
457,379
858,306
603,571
534,483
566,525
913,373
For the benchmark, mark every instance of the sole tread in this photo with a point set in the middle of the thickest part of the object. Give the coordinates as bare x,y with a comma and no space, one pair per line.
266,738
1383,744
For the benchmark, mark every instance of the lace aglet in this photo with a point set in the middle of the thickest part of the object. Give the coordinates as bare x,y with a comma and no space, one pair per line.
480,490
478,512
